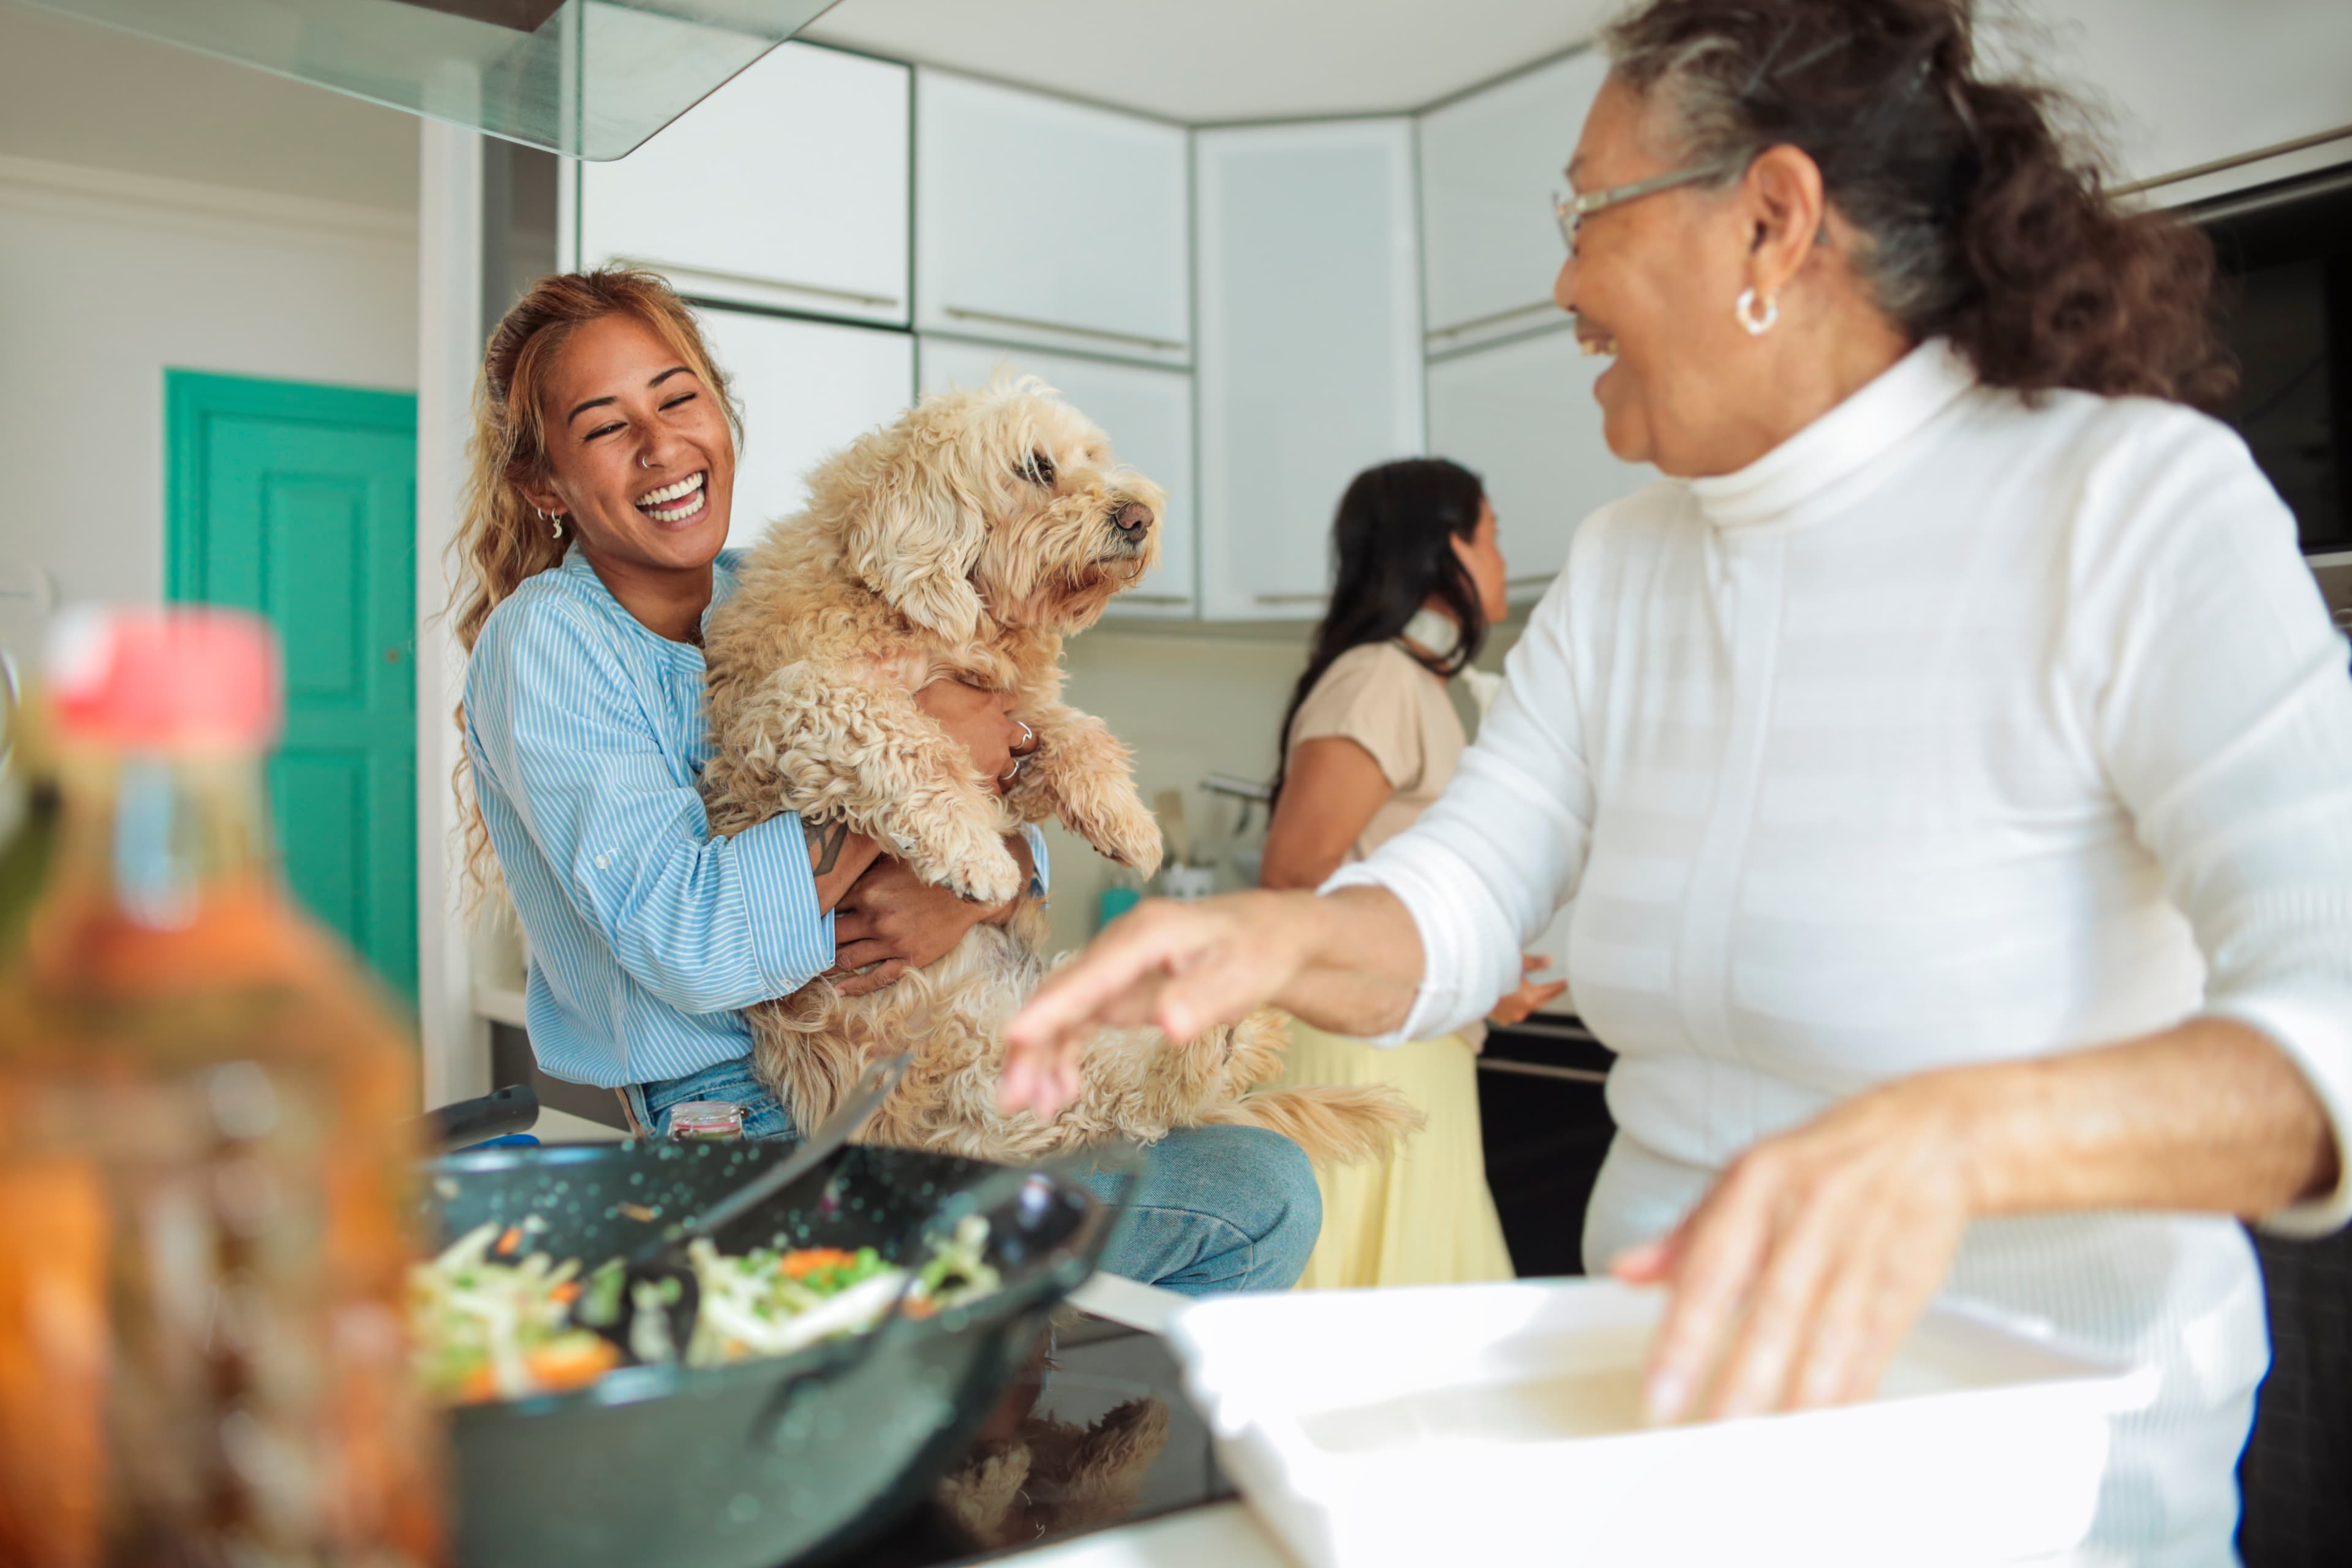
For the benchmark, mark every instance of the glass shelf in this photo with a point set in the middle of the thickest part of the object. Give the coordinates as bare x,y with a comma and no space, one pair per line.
589,79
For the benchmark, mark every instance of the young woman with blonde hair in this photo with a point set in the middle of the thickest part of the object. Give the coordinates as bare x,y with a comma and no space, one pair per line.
600,494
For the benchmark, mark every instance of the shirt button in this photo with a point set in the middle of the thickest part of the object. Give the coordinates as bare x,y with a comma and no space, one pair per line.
603,862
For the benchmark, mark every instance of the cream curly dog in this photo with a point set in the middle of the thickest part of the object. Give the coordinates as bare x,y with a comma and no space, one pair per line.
964,541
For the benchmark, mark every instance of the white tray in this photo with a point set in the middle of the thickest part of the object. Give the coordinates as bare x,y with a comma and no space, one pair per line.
1499,1424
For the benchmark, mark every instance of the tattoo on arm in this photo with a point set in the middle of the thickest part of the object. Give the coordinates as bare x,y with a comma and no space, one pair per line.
824,842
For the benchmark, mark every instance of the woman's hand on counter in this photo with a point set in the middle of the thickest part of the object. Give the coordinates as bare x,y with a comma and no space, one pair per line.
892,921
1346,962
1796,1278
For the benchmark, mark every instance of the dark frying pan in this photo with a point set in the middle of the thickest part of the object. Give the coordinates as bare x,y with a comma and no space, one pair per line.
763,1462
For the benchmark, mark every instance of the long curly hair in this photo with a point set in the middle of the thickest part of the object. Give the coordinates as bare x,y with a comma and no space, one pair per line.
500,539
1983,223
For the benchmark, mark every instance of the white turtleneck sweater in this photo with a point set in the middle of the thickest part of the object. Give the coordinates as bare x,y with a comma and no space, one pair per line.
1955,729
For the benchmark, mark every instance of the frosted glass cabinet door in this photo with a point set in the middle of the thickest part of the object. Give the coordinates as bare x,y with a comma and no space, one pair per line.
808,389
1047,222
1310,348
1490,164
785,188
1521,415
1147,414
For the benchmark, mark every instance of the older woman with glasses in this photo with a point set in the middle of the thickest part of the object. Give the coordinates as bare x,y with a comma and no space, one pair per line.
1948,760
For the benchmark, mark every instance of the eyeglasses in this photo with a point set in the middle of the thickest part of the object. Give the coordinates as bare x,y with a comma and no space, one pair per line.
1571,211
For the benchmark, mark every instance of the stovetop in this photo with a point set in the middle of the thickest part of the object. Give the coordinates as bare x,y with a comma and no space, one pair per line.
1100,1434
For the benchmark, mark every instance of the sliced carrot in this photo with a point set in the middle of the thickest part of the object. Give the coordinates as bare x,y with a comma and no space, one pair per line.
563,1295
922,1306
809,1260
571,1362
508,1242
479,1384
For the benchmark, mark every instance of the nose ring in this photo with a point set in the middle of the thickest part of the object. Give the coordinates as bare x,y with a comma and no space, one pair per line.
643,463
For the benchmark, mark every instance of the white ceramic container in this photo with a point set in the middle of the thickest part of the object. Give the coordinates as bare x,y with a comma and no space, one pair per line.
1500,1423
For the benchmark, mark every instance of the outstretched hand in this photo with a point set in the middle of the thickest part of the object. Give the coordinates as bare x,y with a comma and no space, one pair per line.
1180,967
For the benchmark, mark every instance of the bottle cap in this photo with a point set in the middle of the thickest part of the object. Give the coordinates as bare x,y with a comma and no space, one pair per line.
164,679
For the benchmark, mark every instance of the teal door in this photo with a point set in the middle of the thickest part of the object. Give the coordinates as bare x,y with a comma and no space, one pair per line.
299,501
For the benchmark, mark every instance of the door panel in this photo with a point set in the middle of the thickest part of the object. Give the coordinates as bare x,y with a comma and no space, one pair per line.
298,502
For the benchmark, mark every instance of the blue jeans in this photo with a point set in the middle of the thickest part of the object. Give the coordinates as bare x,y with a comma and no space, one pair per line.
1213,1209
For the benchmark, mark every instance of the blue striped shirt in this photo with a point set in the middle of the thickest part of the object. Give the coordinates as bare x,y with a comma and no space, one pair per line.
587,734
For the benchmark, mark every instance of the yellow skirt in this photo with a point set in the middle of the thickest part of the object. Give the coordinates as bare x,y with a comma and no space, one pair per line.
1424,1215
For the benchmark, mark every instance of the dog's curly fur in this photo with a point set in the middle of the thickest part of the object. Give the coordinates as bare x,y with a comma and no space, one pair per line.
964,541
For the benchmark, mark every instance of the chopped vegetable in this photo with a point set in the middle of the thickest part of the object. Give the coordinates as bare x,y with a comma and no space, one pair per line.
490,1325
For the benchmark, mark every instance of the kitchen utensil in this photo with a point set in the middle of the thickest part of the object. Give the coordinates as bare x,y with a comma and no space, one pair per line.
1342,1415
1168,806
514,1109
660,1267
763,1462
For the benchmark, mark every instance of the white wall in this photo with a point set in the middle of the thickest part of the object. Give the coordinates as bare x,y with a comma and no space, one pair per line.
107,279
1188,703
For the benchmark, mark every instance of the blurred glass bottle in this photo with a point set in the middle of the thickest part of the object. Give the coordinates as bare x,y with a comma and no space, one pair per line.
202,1223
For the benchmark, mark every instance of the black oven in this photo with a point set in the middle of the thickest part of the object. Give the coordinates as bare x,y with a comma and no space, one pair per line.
2285,306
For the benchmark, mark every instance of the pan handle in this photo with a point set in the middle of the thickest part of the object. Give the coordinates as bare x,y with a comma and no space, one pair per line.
514,1109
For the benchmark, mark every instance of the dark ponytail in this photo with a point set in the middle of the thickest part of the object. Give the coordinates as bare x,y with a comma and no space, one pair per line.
1392,549
1981,223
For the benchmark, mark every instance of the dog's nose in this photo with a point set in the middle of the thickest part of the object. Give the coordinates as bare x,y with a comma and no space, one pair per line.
1134,518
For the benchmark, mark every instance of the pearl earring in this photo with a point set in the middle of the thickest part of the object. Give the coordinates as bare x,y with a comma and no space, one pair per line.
1745,309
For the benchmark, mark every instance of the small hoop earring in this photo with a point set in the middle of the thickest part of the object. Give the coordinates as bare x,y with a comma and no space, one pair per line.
554,520
1745,309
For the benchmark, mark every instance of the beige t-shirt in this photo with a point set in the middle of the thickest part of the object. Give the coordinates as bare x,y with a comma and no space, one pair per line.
1388,702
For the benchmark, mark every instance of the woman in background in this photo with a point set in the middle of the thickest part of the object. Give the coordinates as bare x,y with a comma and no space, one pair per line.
1371,739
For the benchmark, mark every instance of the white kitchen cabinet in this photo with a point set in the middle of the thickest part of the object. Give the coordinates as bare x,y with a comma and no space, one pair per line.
1522,416
2190,82
807,389
1310,363
1147,414
786,187
1490,164
1047,222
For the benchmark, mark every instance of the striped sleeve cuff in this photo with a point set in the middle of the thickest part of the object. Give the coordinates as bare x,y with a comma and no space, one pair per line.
1040,883
792,939
2311,1030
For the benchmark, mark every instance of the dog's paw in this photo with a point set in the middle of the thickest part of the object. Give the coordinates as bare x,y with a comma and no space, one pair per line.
1129,834
992,877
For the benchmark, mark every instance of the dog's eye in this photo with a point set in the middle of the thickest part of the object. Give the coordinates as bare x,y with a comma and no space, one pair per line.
1038,470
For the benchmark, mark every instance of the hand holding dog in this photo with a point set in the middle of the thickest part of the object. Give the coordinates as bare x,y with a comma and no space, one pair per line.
893,920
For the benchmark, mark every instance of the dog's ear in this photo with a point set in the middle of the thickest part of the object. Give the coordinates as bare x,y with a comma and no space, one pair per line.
913,534
917,553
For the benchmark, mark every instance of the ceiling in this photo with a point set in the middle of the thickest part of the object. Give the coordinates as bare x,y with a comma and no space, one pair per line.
1206,60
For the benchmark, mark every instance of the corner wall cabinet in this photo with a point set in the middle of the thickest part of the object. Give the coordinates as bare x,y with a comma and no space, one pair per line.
1489,165
1310,363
